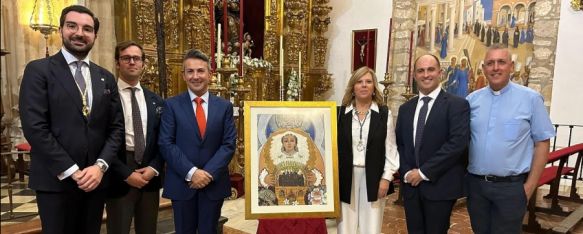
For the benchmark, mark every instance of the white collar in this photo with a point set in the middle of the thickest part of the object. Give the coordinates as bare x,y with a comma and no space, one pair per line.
70,58
205,96
433,95
374,106
121,84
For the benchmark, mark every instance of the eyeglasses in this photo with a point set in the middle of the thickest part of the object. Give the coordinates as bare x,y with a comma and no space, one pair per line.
74,27
127,59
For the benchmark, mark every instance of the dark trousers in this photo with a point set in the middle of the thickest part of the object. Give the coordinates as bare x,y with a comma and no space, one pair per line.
198,213
71,211
496,207
427,216
138,204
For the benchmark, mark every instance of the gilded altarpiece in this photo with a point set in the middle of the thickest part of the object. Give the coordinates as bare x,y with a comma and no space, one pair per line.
186,25
302,24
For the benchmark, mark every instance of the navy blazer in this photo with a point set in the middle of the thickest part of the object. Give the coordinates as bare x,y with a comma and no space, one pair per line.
152,156
183,147
443,153
54,125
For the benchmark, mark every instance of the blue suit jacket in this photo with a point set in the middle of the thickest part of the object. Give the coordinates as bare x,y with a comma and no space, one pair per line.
183,147
443,153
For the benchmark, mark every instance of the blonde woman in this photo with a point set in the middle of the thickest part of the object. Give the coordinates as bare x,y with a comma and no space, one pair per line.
367,154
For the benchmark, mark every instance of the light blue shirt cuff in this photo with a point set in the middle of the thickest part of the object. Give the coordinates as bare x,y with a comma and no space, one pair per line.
190,173
423,175
105,163
68,172
155,171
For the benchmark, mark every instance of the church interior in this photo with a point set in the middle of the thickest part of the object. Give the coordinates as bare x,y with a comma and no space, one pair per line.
306,50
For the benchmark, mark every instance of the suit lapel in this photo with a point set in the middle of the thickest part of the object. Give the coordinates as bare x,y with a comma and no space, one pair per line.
213,113
439,102
97,85
186,105
151,110
62,74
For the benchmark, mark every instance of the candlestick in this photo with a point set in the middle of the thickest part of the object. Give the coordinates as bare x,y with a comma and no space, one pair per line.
281,67
389,43
410,58
241,23
300,76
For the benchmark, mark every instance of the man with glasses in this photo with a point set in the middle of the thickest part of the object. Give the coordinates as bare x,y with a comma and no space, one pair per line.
135,186
197,140
71,116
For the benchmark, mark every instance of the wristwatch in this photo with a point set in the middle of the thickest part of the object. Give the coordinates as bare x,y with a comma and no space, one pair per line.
101,166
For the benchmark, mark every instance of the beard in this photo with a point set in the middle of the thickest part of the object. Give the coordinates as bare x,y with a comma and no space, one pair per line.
77,51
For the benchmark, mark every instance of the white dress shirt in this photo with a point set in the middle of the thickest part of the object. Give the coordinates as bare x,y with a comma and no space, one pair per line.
391,153
433,96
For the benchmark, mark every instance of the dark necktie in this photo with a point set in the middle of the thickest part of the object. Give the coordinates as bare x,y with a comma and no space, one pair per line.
79,76
420,126
139,142
200,118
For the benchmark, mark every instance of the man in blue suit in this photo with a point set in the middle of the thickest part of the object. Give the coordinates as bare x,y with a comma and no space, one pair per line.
197,140
432,137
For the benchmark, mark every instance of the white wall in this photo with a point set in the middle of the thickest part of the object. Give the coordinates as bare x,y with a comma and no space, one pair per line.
566,104
348,15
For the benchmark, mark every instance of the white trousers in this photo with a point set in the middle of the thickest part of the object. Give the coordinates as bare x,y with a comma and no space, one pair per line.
360,216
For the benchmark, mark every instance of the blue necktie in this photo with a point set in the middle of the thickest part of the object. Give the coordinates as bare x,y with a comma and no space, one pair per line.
420,127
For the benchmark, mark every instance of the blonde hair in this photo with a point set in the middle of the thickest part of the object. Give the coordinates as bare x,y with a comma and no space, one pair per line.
348,98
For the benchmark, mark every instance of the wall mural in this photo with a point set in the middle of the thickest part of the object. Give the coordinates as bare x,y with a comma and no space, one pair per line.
459,32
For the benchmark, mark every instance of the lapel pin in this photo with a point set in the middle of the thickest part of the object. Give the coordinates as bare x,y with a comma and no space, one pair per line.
102,79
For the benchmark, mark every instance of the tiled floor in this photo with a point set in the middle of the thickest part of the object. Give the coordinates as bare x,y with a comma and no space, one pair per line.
394,222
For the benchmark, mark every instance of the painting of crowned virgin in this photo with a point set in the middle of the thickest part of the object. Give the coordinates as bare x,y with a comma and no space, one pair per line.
291,159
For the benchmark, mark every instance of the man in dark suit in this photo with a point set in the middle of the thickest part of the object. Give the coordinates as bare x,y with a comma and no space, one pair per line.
135,186
197,140
432,136
71,116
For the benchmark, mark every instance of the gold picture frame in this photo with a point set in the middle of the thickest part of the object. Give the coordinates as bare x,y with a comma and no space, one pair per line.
291,167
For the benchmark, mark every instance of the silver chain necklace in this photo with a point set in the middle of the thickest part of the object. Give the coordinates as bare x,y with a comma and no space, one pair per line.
360,147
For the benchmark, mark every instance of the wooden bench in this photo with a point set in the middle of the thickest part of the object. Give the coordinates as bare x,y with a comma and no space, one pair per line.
552,175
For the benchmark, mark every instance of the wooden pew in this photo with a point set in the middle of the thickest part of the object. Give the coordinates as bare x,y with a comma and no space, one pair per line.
552,175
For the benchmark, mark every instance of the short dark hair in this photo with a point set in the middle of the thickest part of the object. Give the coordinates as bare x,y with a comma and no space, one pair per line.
434,57
197,54
80,9
124,45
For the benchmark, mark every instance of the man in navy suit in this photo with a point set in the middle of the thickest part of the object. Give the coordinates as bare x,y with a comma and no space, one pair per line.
135,184
71,116
197,140
432,136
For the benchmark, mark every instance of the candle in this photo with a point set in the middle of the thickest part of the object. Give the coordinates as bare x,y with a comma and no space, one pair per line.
212,28
219,57
225,25
300,76
389,43
410,58
241,23
281,66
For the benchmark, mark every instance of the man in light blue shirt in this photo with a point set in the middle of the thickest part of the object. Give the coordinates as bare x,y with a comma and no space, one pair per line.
510,132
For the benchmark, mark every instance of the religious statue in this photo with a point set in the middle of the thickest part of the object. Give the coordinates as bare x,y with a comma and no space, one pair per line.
362,43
